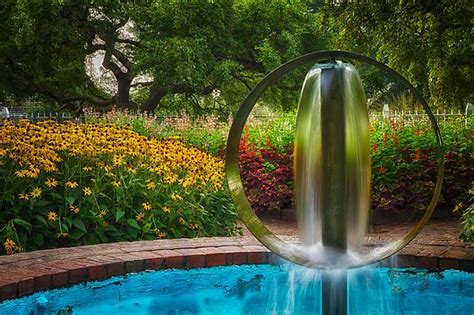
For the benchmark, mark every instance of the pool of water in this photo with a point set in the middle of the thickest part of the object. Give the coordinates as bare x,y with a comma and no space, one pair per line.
261,289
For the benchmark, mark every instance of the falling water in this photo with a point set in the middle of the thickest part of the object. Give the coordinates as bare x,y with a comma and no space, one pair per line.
332,173
332,158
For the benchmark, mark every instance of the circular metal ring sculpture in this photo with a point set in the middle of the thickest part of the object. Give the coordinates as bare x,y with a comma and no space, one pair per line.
253,223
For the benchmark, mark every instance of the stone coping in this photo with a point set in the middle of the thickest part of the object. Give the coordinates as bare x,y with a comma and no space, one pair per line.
24,273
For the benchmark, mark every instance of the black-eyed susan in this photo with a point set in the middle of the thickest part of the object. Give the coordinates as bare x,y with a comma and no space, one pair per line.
51,182
116,183
23,197
166,209
87,191
36,192
140,217
10,246
71,184
150,185
146,206
52,216
176,197
74,209
102,213
194,226
62,235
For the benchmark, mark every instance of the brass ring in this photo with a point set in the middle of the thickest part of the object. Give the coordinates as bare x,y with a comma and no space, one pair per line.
243,207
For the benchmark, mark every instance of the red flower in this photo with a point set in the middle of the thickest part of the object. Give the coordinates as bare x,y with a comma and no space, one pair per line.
375,147
382,170
418,155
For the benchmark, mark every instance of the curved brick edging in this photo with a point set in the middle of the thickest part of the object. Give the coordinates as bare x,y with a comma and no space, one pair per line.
49,269
24,273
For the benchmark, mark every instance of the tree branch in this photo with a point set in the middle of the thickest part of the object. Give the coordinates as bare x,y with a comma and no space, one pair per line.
128,41
244,82
122,58
149,83
107,63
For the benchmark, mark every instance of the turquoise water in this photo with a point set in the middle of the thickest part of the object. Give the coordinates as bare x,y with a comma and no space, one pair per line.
262,289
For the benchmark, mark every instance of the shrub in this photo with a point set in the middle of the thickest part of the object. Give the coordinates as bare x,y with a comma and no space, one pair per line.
69,184
467,216
267,177
403,169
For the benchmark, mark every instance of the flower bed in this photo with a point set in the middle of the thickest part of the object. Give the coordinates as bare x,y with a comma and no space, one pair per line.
72,184
403,161
403,170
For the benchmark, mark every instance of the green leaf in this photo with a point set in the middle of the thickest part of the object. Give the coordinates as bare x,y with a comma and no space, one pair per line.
76,234
38,239
80,225
70,199
65,227
56,195
23,223
118,215
133,224
41,219
41,203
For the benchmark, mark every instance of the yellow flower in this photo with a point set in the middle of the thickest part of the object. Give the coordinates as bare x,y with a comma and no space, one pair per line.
62,234
71,184
140,217
116,183
51,182
87,191
36,192
10,246
102,213
161,235
21,173
176,197
194,226
458,207
166,209
52,216
181,220
23,196
74,209
41,147
146,206
151,185
117,160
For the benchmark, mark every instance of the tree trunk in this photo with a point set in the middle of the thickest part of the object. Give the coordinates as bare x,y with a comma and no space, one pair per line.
122,98
156,95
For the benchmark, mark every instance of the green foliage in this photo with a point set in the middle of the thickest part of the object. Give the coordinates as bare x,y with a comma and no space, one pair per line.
429,42
42,49
467,233
191,56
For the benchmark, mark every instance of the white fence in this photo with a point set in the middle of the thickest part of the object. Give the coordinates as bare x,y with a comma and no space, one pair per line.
17,114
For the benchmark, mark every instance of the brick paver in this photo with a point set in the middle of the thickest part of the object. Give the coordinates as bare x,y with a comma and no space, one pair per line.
437,247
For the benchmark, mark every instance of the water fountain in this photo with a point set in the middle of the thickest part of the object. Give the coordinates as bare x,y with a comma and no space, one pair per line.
332,172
